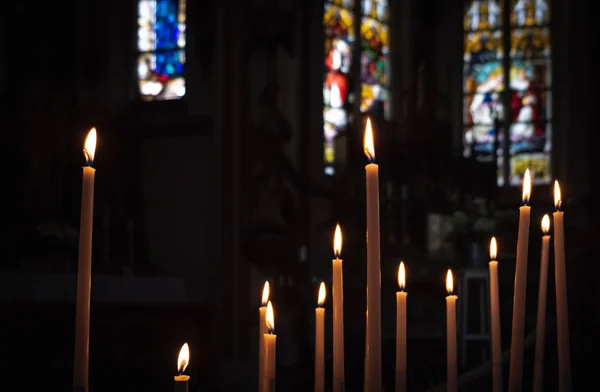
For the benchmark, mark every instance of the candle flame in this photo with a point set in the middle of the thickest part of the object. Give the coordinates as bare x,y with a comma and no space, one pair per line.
184,358
401,276
526,187
557,196
322,294
369,145
546,224
89,147
270,318
449,282
337,241
265,294
493,249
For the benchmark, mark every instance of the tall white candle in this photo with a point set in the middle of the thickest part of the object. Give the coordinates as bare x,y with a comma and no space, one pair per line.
401,330
84,269
270,351
262,330
495,312
320,341
540,331
451,352
373,265
338,313
562,310
182,380
515,381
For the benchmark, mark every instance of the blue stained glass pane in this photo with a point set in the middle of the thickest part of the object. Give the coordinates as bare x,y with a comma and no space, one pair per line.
169,63
167,27
161,42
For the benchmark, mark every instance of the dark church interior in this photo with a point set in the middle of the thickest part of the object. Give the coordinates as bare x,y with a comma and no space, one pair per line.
231,141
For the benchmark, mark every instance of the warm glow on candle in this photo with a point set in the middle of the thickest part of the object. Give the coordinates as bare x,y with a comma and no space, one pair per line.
89,147
546,224
265,294
184,358
526,187
493,249
337,241
401,276
449,282
270,319
322,294
557,196
369,145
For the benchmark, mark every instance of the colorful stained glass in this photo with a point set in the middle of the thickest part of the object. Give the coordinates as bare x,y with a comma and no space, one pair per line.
338,21
161,46
483,81
530,82
374,32
484,86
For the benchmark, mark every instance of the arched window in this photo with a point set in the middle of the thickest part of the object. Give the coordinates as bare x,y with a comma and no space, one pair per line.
161,49
341,29
513,47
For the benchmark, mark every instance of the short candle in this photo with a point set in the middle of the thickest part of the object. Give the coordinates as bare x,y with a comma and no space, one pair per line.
181,380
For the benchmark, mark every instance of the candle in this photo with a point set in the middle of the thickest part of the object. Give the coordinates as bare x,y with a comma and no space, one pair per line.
262,330
84,269
401,331
373,265
540,331
562,311
515,381
181,380
451,355
320,341
270,351
495,310
338,314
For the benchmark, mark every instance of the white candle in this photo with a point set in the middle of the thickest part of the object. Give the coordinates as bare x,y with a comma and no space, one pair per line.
495,311
515,382
270,351
540,331
373,266
181,380
338,313
84,269
562,310
320,341
262,330
451,353
401,330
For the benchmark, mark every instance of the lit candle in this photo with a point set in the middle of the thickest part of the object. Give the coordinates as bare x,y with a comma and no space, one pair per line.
562,311
270,351
540,331
338,314
451,355
515,381
262,330
401,330
495,310
320,341
181,380
84,269
373,266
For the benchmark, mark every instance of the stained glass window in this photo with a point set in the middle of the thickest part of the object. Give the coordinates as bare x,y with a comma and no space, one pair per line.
528,91
530,82
338,21
161,47
374,56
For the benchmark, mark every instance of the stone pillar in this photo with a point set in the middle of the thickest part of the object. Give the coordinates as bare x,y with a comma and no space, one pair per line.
230,120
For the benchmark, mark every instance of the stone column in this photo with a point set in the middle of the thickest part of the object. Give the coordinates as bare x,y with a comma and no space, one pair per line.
229,123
